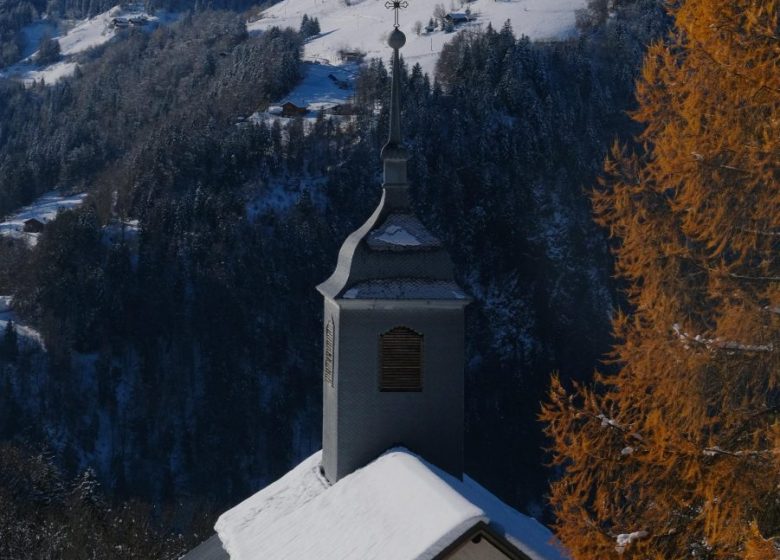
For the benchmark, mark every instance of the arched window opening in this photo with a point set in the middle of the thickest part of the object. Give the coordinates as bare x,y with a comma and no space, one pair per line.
400,360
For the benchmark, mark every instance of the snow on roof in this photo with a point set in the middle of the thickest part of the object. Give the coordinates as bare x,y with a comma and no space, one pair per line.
402,232
396,235
399,507
406,288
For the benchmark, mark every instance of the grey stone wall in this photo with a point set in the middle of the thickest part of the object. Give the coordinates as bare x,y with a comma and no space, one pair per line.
360,422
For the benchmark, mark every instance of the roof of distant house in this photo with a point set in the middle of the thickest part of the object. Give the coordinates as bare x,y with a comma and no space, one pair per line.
458,16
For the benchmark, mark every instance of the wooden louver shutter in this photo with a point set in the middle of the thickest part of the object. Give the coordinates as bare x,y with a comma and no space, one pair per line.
328,366
400,360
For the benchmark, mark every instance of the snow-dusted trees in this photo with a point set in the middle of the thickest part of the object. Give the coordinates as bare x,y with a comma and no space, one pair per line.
9,345
439,12
13,16
309,26
678,454
48,51
46,515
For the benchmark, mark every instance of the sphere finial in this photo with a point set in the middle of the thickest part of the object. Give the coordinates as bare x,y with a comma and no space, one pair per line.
397,39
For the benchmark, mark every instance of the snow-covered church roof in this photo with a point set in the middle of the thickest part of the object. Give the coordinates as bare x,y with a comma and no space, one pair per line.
399,507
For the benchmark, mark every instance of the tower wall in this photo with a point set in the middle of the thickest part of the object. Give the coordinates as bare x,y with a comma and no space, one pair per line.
360,421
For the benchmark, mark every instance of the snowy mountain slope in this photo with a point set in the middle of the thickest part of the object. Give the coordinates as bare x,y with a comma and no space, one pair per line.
85,35
43,209
364,25
323,86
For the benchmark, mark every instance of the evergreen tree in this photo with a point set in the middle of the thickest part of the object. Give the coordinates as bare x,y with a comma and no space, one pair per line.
309,26
48,51
676,455
10,345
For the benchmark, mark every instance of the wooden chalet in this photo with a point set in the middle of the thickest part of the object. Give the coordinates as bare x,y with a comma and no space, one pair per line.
33,225
290,109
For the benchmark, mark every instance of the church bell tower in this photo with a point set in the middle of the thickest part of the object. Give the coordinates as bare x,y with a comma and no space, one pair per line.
393,330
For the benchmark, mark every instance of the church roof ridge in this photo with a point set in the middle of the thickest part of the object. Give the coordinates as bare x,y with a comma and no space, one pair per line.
398,506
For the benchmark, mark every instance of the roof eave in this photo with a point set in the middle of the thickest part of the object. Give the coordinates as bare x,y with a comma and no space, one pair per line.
386,303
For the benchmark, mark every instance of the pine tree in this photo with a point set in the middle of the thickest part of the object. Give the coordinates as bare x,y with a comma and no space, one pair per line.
309,26
678,453
10,345
48,51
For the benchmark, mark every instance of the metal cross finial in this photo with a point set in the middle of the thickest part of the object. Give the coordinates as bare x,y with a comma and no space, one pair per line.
396,5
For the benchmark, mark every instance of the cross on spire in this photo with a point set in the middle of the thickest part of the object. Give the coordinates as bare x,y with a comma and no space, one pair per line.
396,5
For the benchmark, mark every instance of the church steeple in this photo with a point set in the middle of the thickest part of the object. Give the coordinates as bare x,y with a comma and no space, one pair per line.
393,329
394,155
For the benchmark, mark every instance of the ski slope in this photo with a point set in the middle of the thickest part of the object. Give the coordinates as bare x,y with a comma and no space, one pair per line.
365,24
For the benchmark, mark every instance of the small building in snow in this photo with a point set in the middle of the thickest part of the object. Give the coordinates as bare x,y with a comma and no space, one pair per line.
352,56
120,22
342,109
290,109
33,225
456,18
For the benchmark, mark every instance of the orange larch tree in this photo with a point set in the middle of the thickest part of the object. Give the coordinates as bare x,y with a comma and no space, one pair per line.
678,454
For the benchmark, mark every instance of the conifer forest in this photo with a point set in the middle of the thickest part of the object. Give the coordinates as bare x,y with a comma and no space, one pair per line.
610,199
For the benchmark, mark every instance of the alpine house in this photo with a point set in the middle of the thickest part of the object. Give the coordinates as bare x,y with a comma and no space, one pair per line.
389,482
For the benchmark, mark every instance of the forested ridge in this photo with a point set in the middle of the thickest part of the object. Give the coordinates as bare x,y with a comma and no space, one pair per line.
16,14
184,363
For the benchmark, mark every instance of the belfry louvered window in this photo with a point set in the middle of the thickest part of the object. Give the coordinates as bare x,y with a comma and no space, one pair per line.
330,329
400,360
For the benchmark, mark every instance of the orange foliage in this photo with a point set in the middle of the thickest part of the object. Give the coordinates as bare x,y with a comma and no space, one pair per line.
678,454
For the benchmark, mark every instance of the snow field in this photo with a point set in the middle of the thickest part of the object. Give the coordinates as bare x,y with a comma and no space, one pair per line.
365,24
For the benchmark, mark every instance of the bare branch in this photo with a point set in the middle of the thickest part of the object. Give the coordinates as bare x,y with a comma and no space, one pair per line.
718,343
755,278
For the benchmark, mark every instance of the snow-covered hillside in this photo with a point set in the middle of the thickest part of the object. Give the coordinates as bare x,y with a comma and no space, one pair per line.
364,24
29,338
323,87
43,210
82,36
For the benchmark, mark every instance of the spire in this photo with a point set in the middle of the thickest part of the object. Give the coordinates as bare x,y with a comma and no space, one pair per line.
394,155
